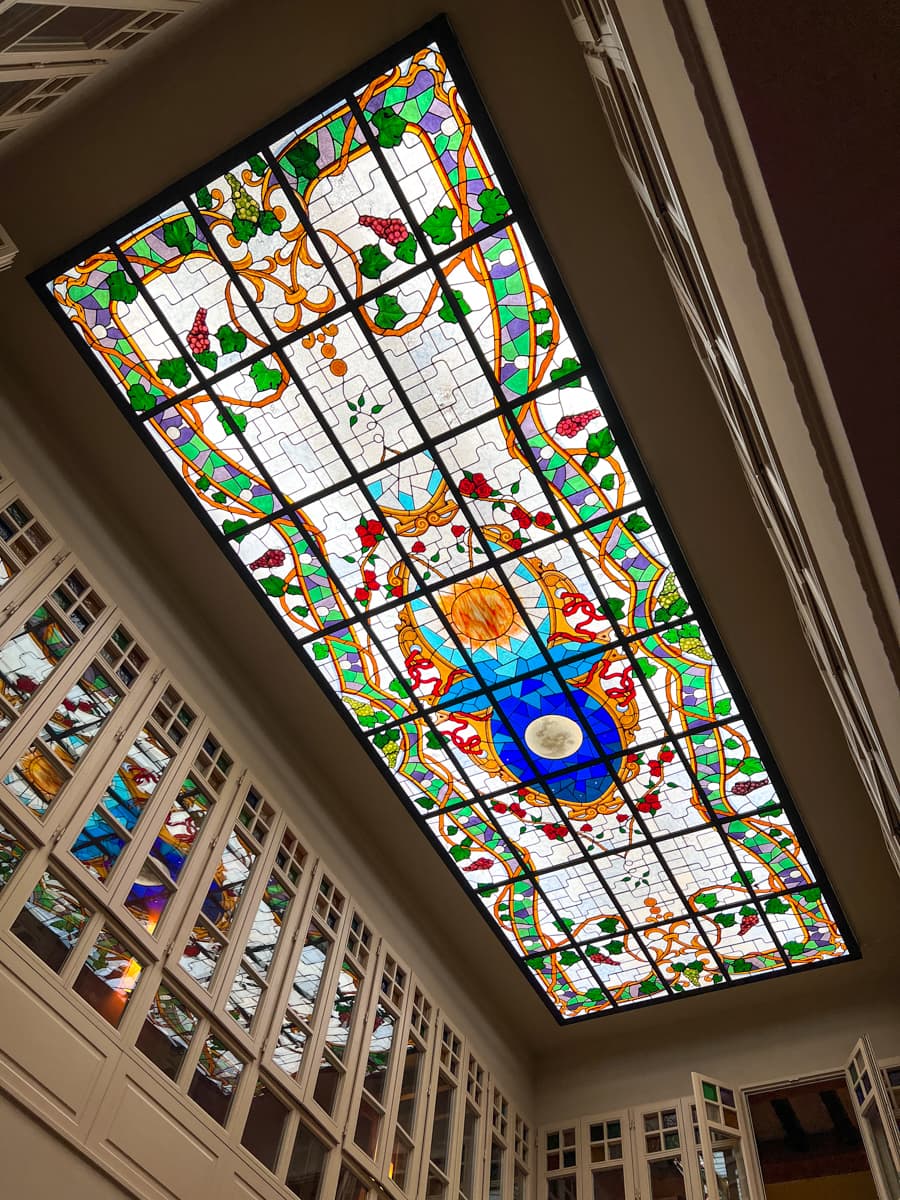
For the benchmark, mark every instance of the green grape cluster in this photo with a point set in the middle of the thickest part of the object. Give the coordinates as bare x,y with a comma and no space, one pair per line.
245,207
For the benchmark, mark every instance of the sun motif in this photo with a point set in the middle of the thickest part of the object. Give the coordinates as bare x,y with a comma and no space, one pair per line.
481,612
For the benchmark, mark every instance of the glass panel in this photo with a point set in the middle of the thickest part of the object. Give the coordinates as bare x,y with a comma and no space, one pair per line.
167,1031
562,1188
520,1183
350,1187
481,546
148,897
609,1185
496,1171
368,1126
401,1161
469,1153
108,977
216,1077
51,921
259,951
409,1086
181,827
884,1163
226,888
379,1052
304,1176
29,657
11,854
265,1125
441,1122
667,1180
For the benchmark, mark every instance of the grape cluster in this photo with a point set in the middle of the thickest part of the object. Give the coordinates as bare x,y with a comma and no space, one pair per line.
744,786
198,338
393,231
245,206
571,426
747,924
271,558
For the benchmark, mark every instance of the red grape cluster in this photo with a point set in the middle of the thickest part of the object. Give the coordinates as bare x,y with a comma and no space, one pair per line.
198,338
747,924
572,426
271,558
744,786
393,231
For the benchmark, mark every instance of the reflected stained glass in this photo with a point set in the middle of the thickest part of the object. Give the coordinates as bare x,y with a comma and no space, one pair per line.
350,349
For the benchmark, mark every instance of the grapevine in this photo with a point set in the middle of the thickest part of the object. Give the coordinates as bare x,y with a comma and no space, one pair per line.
393,231
198,338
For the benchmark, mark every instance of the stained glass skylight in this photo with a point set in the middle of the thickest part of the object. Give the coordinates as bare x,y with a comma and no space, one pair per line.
347,343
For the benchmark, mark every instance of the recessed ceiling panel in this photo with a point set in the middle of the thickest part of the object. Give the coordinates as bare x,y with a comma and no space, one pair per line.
347,342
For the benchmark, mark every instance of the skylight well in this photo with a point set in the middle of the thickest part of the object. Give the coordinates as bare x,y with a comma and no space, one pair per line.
348,345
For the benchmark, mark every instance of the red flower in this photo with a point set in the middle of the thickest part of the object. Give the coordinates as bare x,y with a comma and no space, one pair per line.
500,807
520,515
622,818
554,832
475,485
516,543
69,705
418,547
543,519
655,768
457,530
586,828
650,804
371,581
397,590
666,756
362,595
517,811
480,864
369,532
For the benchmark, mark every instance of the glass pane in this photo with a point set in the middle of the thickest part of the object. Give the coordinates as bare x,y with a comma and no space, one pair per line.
496,1171
520,1183
667,1180
562,1188
308,976
350,1187
469,1153
108,977
216,1077
51,921
12,852
181,827
368,1127
99,845
304,1176
379,1052
30,656
409,1086
36,779
328,1083
609,1185
884,1163
167,1031
148,897
259,951
265,1125
401,1161
440,1128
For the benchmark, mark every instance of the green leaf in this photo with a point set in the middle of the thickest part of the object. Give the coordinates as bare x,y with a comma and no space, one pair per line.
637,524
204,198
174,369
320,651
446,313
354,419
178,233
300,610
376,409
432,741
229,527
220,498
273,586
811,895
266,378
589,462
776,905
231,339
566,368
540,316
141,400
726,920
514,488
545,339
121,288
493,205
722,707
372,262
202,483
616,606
397,685
608,925
257,164
568,958
268,222
602,444
390,127
439,226
232,422
243,230
647,668
614,947
751,766
208,359
607,482
406,250
390,313
740,966
302,158
460,853
650,986
707,899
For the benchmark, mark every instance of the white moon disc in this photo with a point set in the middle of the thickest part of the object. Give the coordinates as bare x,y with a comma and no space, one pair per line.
553,736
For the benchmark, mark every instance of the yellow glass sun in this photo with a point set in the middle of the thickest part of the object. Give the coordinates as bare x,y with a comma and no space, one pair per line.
482,614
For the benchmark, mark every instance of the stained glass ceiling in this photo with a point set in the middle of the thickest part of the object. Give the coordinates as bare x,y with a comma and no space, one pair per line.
347,343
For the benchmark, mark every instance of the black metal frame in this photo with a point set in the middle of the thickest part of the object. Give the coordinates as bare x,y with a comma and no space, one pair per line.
440,31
